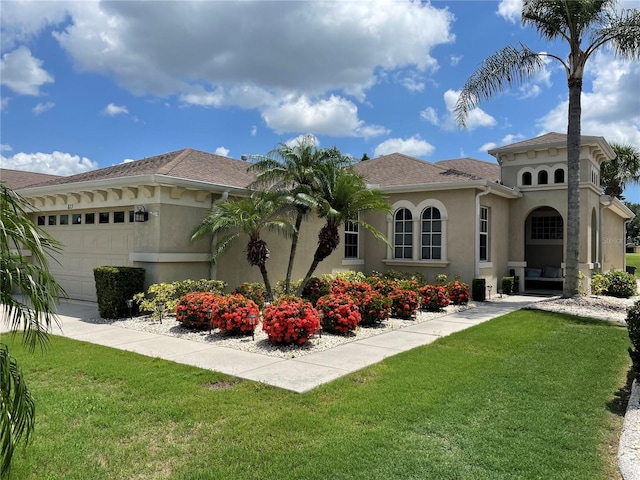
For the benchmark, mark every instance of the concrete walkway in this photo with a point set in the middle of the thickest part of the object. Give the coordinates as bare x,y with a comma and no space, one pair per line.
296,374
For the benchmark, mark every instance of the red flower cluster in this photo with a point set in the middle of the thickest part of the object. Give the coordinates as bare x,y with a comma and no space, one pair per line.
373,305
404,302
458,292
191,310
290,320
339,313
236,314
434,297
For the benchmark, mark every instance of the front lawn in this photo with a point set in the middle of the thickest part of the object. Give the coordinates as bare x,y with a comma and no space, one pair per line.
526,395
633,260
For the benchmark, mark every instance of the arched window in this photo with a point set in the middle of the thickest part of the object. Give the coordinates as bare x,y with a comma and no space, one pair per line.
431,244
543,177
558,176
403,234
526,178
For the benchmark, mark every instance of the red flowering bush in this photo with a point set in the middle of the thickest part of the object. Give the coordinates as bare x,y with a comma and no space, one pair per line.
191,310
458,292
380,284
404,302
434,297
236,314
339,313
253,291
314,289
374,308
290,320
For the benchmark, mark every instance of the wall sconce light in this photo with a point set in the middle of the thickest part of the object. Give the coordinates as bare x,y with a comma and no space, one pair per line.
141,214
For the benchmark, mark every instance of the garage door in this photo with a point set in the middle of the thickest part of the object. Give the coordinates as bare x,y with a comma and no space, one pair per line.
84,248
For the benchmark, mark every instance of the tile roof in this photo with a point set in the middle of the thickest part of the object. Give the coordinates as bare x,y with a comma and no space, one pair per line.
16,179
398,169
473,166
185,164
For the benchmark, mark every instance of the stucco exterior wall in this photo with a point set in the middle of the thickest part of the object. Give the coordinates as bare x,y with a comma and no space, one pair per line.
613,241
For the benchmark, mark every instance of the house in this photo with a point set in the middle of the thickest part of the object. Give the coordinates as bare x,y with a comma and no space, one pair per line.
464,217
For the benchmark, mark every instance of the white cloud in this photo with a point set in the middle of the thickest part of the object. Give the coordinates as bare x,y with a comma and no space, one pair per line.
510,10
4,101
56,163
306,138
254,130
21,21
475,118
42,107
22,72
222,151
413,146
430,115
611,109
455,60
5,148
112,110
343,45
487,146
335,116
412,83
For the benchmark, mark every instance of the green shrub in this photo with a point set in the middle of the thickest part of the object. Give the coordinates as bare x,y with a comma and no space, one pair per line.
348,275
478,289
170,293
507,285
621,284
116,285
633,327
441,279
599,284
315,288
253,291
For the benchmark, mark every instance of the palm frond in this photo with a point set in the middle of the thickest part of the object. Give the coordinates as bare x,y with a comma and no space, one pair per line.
499,72
17,409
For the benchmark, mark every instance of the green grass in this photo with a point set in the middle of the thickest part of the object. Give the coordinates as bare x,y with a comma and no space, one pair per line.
527,395
633,260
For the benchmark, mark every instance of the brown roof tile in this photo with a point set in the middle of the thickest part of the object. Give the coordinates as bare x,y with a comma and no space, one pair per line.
399,169
186,164
16,179
472,166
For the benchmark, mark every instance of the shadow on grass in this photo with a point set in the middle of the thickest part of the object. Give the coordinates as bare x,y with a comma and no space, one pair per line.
618,405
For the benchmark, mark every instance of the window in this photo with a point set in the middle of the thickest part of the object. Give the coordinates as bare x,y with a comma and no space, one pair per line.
118,217
76,219
52,219
131,216
484,234
546,228
403,234
558,176
64,219
431,234
89,218
526,178
41,220
350,239
543,177
103,217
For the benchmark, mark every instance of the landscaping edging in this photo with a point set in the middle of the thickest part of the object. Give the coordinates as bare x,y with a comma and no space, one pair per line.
629,446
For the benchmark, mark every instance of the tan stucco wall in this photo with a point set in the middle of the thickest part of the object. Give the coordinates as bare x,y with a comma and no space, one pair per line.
613,242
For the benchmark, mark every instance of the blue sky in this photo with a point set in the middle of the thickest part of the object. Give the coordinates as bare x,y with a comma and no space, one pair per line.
87,84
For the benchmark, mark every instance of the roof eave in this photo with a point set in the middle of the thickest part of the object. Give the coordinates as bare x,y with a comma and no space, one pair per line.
496,188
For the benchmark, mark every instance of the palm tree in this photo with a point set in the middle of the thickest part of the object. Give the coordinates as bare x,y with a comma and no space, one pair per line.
622,170
249,216
574,21
29,296
292,168
342,196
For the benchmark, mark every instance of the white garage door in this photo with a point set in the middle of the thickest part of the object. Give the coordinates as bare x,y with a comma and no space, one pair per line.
86,247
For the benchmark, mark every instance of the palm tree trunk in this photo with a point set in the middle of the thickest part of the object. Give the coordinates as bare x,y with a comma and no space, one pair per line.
292,254
571,282
267,283
312,269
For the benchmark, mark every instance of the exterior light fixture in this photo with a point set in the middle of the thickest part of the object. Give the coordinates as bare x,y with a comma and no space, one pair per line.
141,214
160,310
130,306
